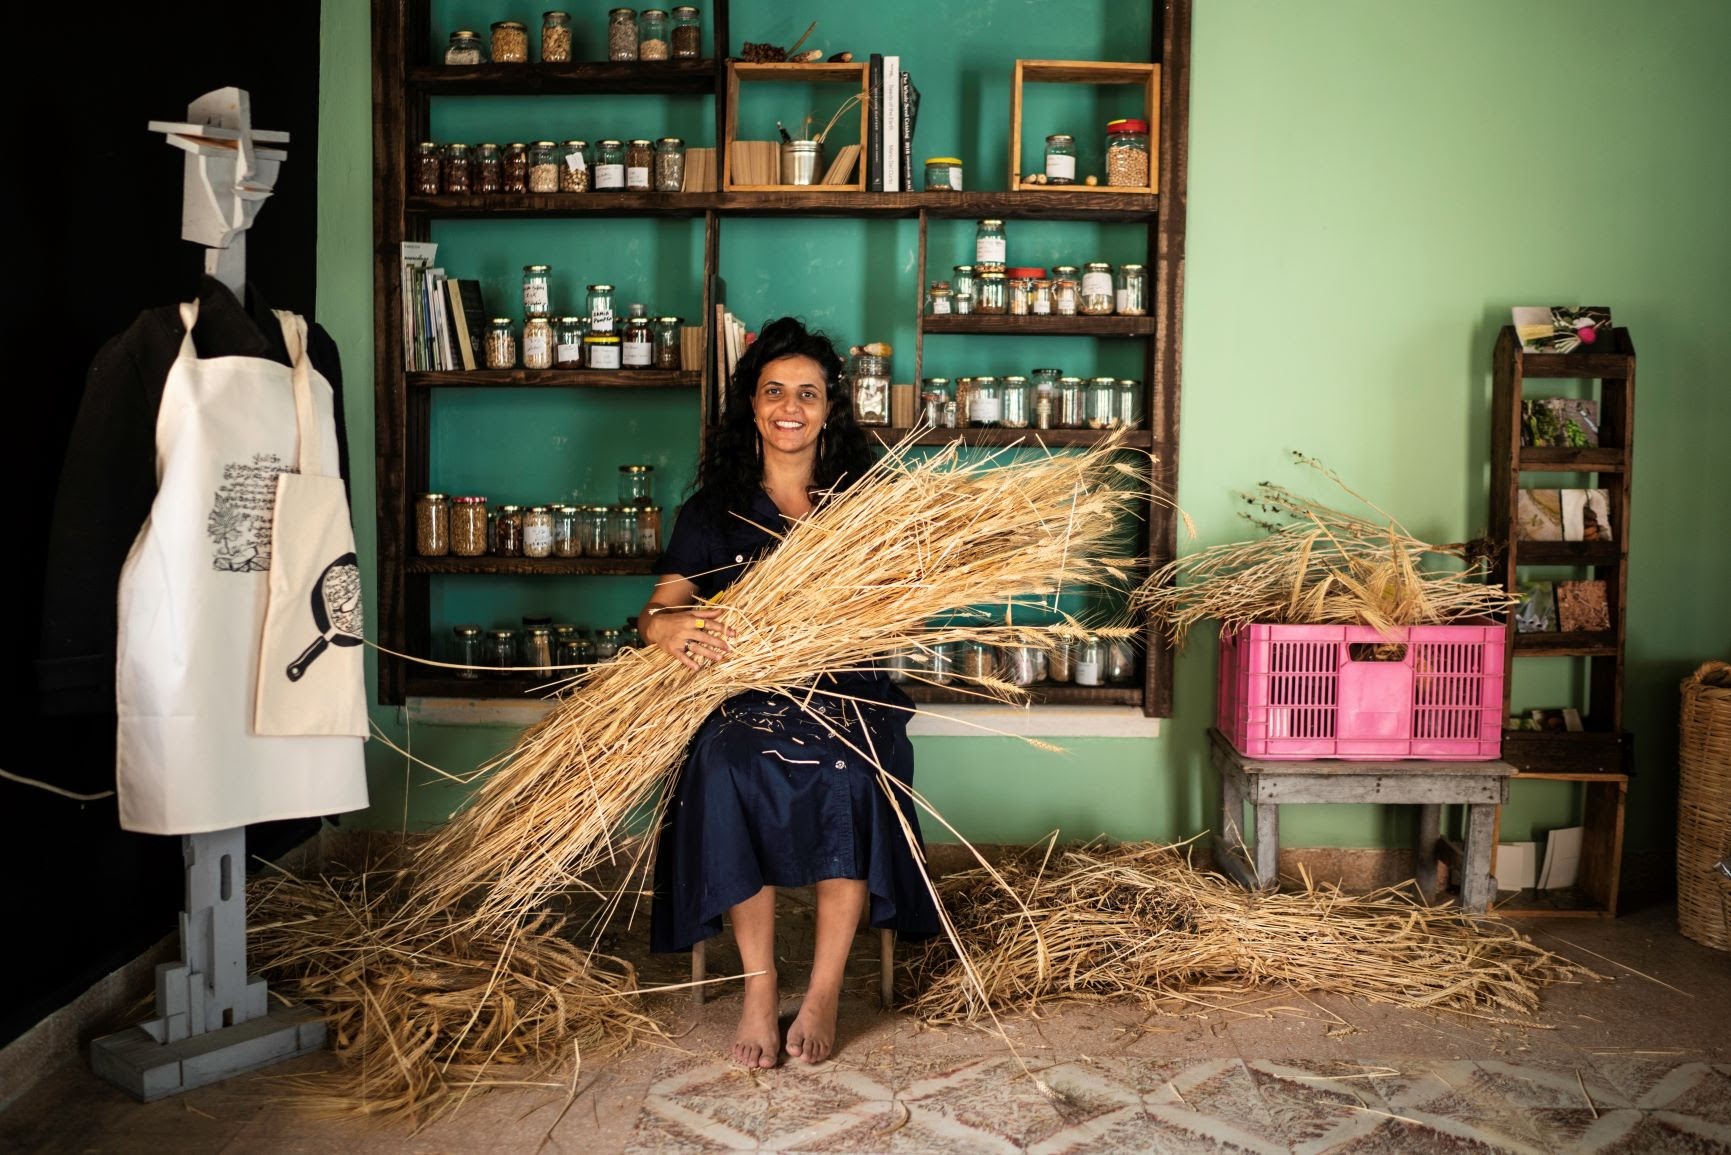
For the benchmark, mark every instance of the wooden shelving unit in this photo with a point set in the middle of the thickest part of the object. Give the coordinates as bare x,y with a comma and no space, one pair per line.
406,79
1602,755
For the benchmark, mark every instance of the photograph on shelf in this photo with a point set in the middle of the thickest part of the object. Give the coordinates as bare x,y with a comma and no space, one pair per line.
1560,423
1586,514
1538,515
1537,612
1582,606
1561,328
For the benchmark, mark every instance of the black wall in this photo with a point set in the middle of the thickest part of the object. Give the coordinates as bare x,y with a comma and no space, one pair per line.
93,202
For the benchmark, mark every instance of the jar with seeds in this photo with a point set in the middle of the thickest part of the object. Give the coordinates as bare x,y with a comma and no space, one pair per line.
667,338
538,531
537,343
543,167
669,164
432,525
1102,402
538,649
639,163
610,164
568,343
501,343
622,34
466,650
637,344
574,167
652,34
593,528
601,351
537,289
1066,290
555,37
1128,408
1127,154
458,173
489,171
510,42
1097,294
515,167
429,166
501,652
962,285
508,531
465,48
687,33
1088,661
566,540
1060,158
469,526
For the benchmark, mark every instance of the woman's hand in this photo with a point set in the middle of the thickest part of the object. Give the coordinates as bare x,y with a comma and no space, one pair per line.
695,636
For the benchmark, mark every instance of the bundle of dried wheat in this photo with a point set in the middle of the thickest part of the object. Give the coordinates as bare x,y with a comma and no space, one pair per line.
1138,922
1319,565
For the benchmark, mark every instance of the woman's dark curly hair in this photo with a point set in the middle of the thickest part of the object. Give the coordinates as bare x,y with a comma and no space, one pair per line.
732,466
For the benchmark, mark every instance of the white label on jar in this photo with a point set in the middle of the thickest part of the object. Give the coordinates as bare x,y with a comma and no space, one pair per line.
601,320
1085,673
1059,167
575,162
1041,304
1097,285
534,350
1123,299
964,305
637,354
636,178
569,354
940,305
986,410
603,356
535,298
537,538
609,176
955,177
989,251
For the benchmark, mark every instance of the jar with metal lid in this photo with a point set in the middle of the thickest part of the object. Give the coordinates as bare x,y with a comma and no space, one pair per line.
623,530
1066,292
510,42
962,285
501,343
493,531
601,351
669,164
637,346
667,341
652,34
465,48
687,33
1060,158
992,294
1088,661
508,531
636,485
429,168
467,651
639,163
596,543
489,172
537,290
1130,290
1023,665
566,540
1072,407
1016,396
600,300
943,174
1097,298
961,399
574,167
934,391
609,164
468,526
622,34
457,175
555,37
537,343
432,525
1044,406
990,246
976,660
606,645
940,301
543,167
1040,297
568,343
869,384
1058,661
1127,154
1018,296
538,649
649,529
1127,410
1120,660
568,650
1101,401
985,402
538,531
501,652
515,165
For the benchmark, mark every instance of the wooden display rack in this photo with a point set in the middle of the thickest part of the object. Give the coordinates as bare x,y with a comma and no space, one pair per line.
857,74
1085,72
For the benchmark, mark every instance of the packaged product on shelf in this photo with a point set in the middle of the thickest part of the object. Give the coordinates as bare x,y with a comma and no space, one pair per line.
622,34
1127,413
1102,402
537,343
538,531
432,525
555,37
469,526
574,167
637,485
508,531
601,350
537,289
667,335
637,346
501,343
600,301
567,536
457,174
1127,154
1015,402
687,33
610,164
1131,290
1060,158
990,248
568,343
652,34
515,167
510,42
543,167
669,164
501,651
639,164
489,172
465,48
1097,294
467,650
939,299
869,381
986,403
943,174
429,166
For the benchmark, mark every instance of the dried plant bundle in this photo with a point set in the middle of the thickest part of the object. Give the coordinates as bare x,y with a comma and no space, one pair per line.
1137,922
1318,565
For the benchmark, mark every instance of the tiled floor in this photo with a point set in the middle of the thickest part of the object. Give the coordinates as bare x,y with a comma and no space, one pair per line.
1623,1065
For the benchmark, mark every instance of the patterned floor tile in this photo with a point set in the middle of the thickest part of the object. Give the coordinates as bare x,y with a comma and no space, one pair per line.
1551,1085
1438,1086
1319,1104
1406,1136
1695,1089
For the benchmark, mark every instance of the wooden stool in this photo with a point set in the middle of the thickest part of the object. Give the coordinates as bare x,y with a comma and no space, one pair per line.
886,970
1480,786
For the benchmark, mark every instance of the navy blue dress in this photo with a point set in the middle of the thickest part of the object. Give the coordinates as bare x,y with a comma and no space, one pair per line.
767,796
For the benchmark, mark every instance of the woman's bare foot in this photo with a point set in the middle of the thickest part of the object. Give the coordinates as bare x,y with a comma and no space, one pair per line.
757,1043
812,1036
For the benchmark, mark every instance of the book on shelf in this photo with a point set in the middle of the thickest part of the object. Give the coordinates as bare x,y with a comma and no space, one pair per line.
891,132
874,145
417,257
441,347
910,105
469,320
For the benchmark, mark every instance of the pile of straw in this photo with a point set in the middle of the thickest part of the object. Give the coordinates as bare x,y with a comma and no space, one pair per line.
1318,565
1138,923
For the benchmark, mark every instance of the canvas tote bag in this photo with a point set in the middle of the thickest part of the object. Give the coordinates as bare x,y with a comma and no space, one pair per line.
312,674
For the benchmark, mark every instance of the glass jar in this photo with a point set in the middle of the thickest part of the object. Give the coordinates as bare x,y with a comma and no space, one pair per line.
622,528
1102,398
569,650
538,649
537,289
489,173
652,34
600,301
1040,297
636,485
493,531
610,164
934,391
508,531
601,351
669,164
943,174
667,341
940,301
992,295
429,168
606,645
574,167
1127,154
457,175
990,246
639,164
985,403
467,651
432,525
555,37
1060,158
637,347
1043,408
1072,410
465,48
1120,660
501,343
869,383
468,526
537,343
687,33
1127,409
515,165
1024,665
622,34
1130,291
543,167
1058,661
1016,394
568,343
1066,293
538,531
510,42
1018,295
962,284
566,540
649,529
963,394
1097,298
941,662
596,543
501,652
975,660
1088,661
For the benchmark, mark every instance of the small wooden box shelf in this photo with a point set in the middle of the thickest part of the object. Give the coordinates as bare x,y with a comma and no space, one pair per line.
1084,72
857,75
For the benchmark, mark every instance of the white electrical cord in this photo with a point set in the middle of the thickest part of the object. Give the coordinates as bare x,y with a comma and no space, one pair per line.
55,789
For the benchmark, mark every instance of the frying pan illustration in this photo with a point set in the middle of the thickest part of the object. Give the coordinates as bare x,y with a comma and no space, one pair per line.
336,612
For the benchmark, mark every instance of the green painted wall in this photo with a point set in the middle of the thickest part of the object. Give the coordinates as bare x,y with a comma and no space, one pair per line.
1372,185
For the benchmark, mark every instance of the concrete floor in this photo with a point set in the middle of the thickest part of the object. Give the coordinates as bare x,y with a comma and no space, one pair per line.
1627,1064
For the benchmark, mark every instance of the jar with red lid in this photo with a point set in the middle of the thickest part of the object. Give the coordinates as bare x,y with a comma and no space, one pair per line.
1127,154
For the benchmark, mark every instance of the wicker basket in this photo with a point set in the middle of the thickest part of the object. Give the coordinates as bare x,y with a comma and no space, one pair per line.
1704,807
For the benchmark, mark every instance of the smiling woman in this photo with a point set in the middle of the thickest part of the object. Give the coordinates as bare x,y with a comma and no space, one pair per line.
774,793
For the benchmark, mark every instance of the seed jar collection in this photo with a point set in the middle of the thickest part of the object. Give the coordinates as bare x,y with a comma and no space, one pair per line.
465,526
598,338
651,34
1089,660
548,166
540,647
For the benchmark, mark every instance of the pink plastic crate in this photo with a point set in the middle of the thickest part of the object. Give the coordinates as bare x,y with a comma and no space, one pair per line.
1289,692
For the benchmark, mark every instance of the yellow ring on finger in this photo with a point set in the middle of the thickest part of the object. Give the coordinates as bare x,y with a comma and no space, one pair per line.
701,624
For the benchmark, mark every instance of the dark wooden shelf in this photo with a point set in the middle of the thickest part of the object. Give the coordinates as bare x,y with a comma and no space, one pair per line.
1615,363
1567,552
535,205
554,379
1581,755
1043,693
668,77
1552,460
793,202
558,566
1033,438
1002,325
1582,644
445,684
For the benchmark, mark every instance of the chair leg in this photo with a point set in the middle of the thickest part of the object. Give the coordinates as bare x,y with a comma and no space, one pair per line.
699,972
887,968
